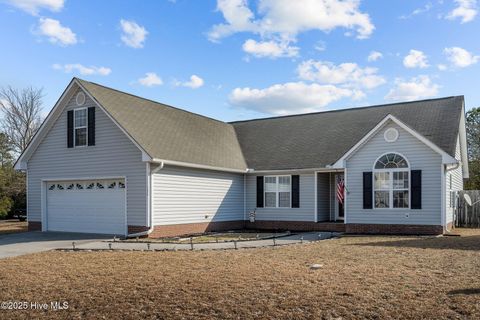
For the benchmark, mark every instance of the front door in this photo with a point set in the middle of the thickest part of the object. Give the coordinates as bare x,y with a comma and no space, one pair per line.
339,196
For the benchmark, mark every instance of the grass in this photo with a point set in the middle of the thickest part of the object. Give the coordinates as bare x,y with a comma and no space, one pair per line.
374,277
13,226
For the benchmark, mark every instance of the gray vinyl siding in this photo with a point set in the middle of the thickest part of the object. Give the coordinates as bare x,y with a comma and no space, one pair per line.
420,156
323,196
306,212
113,155
333,196
457,183
185,195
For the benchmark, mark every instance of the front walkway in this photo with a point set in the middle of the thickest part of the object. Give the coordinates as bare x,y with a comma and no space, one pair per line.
305,237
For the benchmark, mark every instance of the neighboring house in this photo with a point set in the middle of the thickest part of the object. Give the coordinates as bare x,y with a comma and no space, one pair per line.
105,161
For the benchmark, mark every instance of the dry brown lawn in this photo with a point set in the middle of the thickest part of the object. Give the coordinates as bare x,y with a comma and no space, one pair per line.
375,277
13,226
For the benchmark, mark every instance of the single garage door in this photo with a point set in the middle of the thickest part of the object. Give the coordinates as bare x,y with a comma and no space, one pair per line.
91,206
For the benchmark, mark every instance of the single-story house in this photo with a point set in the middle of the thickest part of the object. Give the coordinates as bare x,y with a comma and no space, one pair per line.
105,161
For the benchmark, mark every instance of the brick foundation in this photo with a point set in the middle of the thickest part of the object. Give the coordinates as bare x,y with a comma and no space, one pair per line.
192,228
393,229
296,225
136,229
188,228
34,226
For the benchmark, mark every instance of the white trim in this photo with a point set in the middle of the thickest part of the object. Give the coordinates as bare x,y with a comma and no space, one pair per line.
443,206
197,166
446,158
395,132
390,152
145,154
21,163
43,196
345,196
315,213
149,193
277,183
244,197
82,96
82,127
463,144
390,190
330,196
320,170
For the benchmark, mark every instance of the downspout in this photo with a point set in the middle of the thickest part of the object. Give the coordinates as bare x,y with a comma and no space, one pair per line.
456,166
150,215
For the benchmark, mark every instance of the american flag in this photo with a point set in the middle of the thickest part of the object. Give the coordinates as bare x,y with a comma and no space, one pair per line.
340,191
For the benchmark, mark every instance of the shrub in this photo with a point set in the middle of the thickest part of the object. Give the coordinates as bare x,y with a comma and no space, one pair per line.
5,206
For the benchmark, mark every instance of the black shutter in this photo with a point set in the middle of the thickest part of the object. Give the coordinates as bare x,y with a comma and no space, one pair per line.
296,191
259,191
91,126
367,190
70,129
416,192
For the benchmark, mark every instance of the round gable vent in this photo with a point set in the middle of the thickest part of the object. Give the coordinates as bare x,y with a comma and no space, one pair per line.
80,99
391,135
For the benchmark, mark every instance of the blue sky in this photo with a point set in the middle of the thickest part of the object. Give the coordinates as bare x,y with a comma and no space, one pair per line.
237,59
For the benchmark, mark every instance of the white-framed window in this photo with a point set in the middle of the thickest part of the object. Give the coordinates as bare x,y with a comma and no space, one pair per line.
278,191
80,125
391,182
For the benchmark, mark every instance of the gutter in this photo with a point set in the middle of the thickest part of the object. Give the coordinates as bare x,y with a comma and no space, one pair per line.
326,169
456,166
150,215
197,166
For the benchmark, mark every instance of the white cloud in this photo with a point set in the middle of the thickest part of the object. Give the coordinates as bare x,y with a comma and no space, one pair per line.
415,59
466,10
55,32
271,49
83,70
286,18
151,79
460,57
133,35
442,67
289,98
346,74
427,7
416,88
194,83
374,56
321,46
34,6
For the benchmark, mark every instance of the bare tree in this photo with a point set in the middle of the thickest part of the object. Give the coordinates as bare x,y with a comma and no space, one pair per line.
21,115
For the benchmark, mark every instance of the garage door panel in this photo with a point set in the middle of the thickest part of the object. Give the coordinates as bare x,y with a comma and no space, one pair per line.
86,206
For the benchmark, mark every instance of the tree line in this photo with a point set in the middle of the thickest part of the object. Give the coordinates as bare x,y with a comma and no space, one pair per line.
21,117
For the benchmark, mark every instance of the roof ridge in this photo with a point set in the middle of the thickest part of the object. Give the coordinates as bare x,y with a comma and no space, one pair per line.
345,109
156,102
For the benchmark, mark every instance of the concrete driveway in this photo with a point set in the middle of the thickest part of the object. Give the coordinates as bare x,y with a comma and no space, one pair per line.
18,244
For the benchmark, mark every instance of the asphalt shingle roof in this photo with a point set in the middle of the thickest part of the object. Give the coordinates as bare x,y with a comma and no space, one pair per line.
168,133
316,140
311,140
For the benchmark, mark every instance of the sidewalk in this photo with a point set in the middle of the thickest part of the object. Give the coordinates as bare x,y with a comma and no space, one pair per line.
305,237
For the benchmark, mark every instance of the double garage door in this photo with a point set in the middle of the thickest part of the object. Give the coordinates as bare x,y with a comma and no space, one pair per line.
90,206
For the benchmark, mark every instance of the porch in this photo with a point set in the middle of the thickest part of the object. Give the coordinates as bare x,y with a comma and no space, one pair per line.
329,210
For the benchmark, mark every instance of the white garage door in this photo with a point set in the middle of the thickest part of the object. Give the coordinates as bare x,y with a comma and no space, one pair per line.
93,206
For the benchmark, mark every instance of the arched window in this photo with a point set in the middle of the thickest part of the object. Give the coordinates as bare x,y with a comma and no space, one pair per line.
391,181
